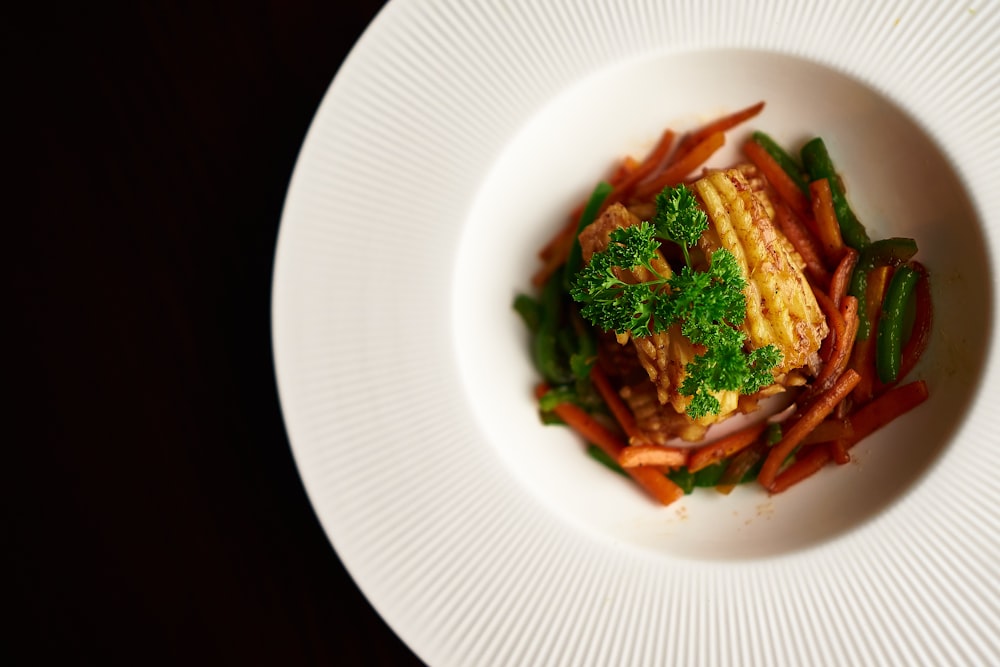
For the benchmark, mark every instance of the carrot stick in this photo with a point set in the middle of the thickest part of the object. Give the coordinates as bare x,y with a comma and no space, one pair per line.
831,429
618,407
554,253
804,468
827,227
675,173
722,124
834,320
656,484
842,276
589,428
803,241
655,158
635,456
838,452
841,354
724,447
817,412
779,179
884,409
865,421
864,350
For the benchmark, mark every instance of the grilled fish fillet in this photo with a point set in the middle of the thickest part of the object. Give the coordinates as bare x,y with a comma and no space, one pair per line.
664,355
781,308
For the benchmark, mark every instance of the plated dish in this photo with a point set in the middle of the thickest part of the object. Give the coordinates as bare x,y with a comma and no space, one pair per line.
679,297
458,133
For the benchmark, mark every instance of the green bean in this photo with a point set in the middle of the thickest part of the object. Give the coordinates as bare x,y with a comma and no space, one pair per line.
575,259
556,396
545,345
784,160
891,329
818,165
710,475
883,252
683,478
530,311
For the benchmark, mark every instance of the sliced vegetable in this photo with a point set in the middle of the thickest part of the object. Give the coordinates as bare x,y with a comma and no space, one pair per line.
825,217
723,448
804,467
530,311
652,455
922,322
545,346
710,475
817,163
884,252
889,345
784,160
683,478
805,423
782,183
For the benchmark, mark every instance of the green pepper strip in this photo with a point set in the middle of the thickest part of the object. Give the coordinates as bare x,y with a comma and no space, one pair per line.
894,251
710,475
530,311
683,478
604,458
545,345
575,259
818,165
889,344
784,160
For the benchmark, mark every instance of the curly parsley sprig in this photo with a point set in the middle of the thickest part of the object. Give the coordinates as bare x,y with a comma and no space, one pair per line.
709,305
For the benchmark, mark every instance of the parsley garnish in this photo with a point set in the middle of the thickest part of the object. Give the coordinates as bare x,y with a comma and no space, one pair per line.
709,305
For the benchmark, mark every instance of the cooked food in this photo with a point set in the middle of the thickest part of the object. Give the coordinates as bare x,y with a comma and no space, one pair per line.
671,303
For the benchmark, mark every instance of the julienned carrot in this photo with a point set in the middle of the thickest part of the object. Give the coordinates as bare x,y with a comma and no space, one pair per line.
804,242
841,354
841,280
724,447
884,409
722,124
922,321
839,453
618,408
675,173
813,415
864,349
655,158
803,468
656,484
589,428
653,482
830,429
834,320
635,456
778,178
827,227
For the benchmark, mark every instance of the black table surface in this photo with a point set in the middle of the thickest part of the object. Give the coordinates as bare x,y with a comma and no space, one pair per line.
153,511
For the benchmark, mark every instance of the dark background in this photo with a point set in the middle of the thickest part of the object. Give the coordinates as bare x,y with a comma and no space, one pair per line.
152,507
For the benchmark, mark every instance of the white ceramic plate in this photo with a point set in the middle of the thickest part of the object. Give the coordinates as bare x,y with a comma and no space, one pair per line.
450,145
